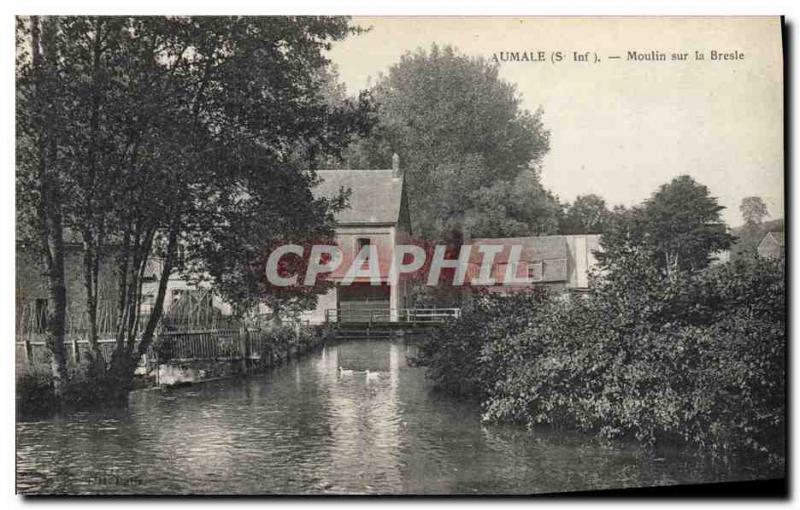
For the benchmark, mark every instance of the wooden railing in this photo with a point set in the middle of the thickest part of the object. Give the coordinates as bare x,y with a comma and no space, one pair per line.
219,344
32,351
411,315
200,345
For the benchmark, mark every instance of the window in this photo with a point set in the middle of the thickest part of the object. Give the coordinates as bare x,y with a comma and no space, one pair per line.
361,242
148,299
536,271
40,315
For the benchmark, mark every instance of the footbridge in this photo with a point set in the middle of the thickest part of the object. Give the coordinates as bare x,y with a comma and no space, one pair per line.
386,322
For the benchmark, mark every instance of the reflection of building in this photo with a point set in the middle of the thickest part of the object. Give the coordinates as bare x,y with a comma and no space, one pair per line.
377,218
562,261
364,417
360,357
772,246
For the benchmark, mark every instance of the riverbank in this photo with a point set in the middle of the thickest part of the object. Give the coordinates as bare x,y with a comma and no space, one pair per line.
695,360
303,428
175,365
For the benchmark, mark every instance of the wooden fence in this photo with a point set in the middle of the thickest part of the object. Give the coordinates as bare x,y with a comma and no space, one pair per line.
177,347
33,355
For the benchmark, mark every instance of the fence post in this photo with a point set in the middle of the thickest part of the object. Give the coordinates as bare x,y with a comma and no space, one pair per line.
76,356
243,334
28,350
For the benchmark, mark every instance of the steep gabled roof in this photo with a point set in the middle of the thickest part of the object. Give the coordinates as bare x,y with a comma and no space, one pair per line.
778,236
375,196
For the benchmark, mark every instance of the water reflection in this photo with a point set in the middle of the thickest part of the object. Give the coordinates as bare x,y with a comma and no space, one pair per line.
307,428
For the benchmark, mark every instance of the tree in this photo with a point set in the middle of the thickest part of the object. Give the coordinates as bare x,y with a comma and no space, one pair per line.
587,215
458,128
520,207
754,210
685,225
160,129
233,255
42,180
678,228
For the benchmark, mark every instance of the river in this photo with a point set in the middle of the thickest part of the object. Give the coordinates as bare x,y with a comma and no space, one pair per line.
306,428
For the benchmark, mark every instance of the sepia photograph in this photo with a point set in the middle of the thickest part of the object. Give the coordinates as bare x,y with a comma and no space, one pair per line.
399,255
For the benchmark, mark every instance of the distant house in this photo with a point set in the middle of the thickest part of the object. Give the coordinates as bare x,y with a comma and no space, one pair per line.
32,290
748,237
186,303
183,301
377,216
772,245
562,262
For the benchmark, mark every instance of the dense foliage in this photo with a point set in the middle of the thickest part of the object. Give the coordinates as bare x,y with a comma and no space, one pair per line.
749,236
137,136
696,358
588,214
753,210
461,359
666,354
471,153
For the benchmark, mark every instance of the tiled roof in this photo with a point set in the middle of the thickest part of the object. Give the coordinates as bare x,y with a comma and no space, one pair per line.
534,249
375,194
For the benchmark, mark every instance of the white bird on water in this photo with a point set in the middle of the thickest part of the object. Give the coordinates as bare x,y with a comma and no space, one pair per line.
372,376
344,372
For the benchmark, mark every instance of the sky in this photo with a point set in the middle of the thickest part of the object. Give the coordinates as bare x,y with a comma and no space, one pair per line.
620,128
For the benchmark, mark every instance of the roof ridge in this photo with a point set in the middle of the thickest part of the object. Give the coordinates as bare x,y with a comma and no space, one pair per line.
351,170
552,236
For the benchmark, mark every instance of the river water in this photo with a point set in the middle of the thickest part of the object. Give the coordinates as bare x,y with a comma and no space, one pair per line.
306,428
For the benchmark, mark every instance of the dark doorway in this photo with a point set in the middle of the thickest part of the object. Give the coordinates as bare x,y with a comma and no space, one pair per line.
363,302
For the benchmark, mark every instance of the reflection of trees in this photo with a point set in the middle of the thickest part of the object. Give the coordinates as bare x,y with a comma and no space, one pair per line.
570,461
68,455
301,427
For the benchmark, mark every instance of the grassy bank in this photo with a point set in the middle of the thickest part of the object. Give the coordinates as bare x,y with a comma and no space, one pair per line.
85,390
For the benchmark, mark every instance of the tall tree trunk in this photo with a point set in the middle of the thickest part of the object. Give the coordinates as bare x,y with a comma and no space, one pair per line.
125,360
51,225
58,296
158,307
91,269
123,273
92,235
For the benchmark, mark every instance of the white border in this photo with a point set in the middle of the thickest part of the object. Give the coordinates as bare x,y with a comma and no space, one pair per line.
791,9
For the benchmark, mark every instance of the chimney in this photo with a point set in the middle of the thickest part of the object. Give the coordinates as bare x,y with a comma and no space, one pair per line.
396,173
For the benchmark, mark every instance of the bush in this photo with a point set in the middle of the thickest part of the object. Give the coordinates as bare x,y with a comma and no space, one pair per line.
460,360
288,340
35,393
696,358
